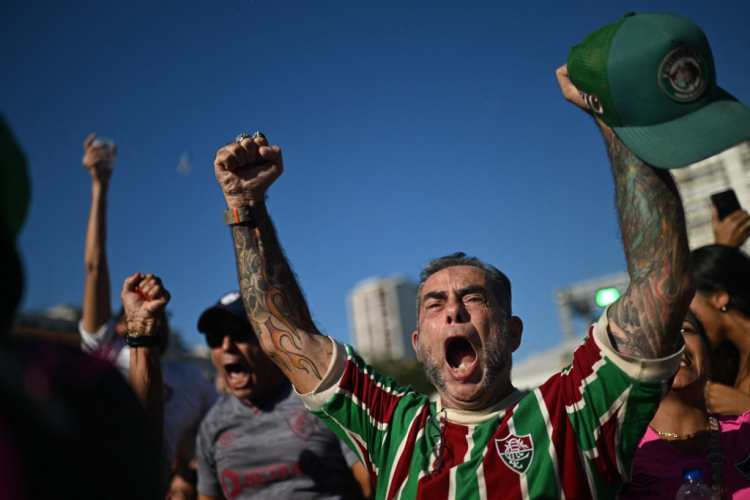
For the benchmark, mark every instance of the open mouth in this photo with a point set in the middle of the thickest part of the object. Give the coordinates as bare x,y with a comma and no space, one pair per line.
686,361
237,375
460,355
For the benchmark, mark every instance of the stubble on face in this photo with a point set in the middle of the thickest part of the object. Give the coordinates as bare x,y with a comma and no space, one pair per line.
494,355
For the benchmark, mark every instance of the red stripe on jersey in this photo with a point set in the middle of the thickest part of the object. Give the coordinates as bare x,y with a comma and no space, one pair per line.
380,403
402,468
436,485
606,462
564,440
367,462
583,366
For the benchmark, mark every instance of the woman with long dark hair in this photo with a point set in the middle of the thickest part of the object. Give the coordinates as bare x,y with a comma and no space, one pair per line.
722,303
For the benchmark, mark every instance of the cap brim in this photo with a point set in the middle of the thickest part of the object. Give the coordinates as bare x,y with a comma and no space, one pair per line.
712,129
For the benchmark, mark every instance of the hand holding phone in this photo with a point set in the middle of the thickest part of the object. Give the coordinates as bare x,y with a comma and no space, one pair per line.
731,224
725,202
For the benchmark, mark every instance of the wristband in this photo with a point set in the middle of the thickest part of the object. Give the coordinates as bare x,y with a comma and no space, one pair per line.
141,340
239,215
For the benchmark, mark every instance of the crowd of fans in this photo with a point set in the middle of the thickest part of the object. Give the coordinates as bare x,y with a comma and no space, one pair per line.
301,416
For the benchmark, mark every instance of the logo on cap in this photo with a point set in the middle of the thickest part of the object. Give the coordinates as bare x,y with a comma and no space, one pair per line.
229,298
683,74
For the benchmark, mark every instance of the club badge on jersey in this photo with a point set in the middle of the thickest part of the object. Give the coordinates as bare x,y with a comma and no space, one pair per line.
517,452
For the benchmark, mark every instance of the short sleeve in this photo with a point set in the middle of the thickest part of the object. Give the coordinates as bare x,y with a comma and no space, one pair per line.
208,483
107,345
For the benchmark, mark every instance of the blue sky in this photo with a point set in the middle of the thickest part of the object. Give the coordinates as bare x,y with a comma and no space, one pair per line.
410,129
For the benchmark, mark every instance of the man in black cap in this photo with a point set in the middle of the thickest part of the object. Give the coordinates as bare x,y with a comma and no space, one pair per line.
259,441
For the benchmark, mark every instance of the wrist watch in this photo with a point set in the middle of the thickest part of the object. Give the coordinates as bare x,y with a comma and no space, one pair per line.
239,215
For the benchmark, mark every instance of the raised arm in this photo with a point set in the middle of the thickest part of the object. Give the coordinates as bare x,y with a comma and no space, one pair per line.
273,300
645,322
144,299
99,161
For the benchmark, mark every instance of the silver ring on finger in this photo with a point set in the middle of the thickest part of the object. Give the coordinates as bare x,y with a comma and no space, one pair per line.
242,137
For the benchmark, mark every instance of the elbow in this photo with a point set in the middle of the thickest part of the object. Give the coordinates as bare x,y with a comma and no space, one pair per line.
94,265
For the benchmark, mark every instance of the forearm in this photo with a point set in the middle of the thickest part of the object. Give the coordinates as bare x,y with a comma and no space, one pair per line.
146,382
96,295
646,321
275,304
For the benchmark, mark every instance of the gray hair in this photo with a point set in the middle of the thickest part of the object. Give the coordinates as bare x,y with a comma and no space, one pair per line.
500,282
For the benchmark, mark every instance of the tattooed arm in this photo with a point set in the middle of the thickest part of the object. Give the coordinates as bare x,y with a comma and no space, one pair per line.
645,322
273,300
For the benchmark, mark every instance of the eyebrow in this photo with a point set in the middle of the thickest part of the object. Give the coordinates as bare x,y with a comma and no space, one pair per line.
442,294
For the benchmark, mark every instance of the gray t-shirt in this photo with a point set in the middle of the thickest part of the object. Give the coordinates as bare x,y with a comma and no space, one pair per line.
278,451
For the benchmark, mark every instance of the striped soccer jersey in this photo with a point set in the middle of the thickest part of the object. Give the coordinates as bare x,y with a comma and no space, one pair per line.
574,437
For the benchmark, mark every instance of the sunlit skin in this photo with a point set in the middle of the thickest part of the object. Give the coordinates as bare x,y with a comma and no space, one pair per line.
694,370
244,368
683,410
458,303
708,309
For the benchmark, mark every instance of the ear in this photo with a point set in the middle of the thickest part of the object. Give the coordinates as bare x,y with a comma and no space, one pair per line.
719,299
515,331
415,341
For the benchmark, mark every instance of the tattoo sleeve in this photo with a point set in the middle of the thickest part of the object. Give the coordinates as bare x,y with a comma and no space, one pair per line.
275,303
646,321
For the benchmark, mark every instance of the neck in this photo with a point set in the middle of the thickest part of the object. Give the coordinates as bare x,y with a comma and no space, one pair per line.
481,405
738,330
677,415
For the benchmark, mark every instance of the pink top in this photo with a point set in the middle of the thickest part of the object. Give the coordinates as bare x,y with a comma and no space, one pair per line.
657,466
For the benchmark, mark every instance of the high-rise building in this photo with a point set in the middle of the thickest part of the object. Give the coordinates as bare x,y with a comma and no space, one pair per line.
697,182
382,315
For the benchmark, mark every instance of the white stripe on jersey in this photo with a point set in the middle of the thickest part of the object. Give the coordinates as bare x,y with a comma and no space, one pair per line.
453,484
356,437
481,483
580,405
587,468
400,452
552,451
622,403
521,477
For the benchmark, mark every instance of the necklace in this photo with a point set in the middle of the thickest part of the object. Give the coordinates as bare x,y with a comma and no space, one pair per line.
715,459
680,436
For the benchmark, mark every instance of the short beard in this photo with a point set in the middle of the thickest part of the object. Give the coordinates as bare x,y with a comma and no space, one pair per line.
496,359
430,367
497,354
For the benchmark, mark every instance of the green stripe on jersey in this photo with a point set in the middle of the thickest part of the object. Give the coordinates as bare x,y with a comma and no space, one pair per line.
599,393
527,418
468,481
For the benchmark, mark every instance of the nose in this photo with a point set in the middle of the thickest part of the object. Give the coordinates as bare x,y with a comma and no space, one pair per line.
455,311
226,343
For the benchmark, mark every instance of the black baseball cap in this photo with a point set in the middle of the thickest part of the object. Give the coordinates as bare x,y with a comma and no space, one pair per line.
229,303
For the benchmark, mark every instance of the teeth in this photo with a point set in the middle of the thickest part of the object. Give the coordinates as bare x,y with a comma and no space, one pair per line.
463,367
